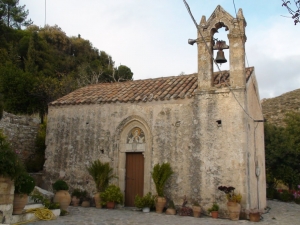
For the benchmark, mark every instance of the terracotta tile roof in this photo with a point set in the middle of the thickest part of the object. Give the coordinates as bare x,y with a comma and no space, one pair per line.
163,88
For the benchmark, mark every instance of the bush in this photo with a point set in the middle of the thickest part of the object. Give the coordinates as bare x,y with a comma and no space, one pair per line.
77,193
24,184
272,193
111,194
146,201
10,164
285,196
60,185
37,197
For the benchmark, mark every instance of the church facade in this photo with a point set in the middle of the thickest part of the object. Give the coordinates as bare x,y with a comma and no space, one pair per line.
206,125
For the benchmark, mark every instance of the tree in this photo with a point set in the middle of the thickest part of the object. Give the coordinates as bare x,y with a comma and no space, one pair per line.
294,12
282,146
13,15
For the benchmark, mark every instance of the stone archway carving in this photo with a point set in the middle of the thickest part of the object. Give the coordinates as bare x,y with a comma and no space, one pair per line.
134,135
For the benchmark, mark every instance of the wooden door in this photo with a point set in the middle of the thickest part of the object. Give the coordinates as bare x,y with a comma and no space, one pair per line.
134,178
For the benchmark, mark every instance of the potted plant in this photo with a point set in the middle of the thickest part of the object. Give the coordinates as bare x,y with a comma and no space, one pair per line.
171,210
214,210
62,195
24,185
160,175
111,196
10,168
254,215
76,195
101,173
233,204
86,199
185,210
145,203
196,209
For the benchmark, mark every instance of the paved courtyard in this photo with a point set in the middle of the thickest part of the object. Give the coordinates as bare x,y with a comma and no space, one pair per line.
279,213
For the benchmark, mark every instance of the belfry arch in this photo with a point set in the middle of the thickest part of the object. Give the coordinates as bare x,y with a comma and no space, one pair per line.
237,38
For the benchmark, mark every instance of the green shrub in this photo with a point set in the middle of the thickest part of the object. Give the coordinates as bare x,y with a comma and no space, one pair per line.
60,185
160,175
215,207
285,196
272,193
10,164
146,201
77,193
37,197
111,194
24,184
101,173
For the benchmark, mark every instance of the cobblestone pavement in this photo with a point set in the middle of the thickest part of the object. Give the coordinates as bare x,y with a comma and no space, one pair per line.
279,213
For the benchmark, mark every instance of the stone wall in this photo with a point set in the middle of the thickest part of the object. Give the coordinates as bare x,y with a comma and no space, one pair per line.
21,132
204,138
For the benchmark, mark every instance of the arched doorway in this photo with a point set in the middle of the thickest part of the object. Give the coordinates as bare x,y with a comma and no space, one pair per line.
134,161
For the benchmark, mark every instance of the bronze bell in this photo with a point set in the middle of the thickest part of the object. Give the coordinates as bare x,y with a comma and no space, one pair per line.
220,57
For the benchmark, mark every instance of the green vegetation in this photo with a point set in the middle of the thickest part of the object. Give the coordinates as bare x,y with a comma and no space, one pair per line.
215,207
282,151
37,197
146,201
10,164
39,65
160,175
111,194
60,185
101,173
24,184
13,15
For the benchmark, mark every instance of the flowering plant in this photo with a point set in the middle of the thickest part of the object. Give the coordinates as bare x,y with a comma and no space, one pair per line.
231,196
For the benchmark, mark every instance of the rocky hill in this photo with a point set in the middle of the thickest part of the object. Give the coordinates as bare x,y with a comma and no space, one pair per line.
274,109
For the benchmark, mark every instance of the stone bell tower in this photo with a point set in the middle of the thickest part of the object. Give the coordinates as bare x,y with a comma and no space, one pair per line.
237,38
228,148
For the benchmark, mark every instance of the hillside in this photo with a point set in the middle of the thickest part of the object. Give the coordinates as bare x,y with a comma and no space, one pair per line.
274,109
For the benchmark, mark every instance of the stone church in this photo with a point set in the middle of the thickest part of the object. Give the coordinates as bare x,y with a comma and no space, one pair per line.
207,125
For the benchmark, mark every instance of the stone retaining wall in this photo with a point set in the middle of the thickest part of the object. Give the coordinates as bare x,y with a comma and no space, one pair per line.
21,132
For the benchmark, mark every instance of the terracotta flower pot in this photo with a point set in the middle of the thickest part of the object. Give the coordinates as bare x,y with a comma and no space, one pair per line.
20,200
63,198
254,217
75,201
214,214
171,211
234,210
98,200
85,203
160,204
196,211
110,205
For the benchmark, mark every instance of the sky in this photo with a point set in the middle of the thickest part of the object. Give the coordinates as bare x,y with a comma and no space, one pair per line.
150,36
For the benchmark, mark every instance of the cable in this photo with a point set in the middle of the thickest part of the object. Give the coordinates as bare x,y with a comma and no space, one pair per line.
245,52
199,31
